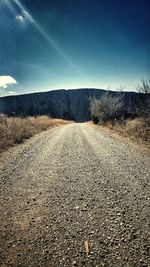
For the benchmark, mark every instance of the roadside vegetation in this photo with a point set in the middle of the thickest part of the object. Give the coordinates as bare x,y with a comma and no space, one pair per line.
143,107
15,130
110,111
107,108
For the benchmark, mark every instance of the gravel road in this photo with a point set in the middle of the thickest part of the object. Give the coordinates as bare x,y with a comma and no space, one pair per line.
75,196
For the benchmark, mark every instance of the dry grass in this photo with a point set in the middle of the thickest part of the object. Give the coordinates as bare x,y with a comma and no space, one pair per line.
16,130
138,130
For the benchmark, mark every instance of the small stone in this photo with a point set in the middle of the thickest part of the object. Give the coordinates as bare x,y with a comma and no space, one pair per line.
75,263
134,236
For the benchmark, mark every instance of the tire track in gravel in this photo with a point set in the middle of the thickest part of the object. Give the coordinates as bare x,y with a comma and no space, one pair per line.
69,185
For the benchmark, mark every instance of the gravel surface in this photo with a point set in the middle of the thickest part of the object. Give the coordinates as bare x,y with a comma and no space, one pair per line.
73,196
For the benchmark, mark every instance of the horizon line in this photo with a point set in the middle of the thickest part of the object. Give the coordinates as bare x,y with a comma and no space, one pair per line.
65,89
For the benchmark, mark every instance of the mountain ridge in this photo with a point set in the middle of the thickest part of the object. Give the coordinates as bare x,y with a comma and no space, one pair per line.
71,104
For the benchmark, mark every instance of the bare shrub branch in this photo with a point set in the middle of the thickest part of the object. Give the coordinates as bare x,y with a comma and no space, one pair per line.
107,107
143,107
143,87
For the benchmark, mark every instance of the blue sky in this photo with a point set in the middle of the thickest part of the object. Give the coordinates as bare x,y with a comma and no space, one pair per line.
56,44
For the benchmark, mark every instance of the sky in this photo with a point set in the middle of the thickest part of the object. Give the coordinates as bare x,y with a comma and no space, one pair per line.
55,44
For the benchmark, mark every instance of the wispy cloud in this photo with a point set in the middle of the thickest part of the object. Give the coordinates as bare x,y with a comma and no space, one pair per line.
5,81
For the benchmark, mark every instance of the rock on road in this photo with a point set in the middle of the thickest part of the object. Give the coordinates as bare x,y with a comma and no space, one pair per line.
74,196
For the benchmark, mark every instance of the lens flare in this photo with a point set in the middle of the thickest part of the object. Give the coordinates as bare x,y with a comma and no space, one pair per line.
10,6
49,39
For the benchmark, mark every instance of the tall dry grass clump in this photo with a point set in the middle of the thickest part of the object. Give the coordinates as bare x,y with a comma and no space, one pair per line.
15,130
137,129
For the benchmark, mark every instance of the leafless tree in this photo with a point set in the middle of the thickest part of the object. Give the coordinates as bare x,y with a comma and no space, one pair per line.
107,107
143,107
143,87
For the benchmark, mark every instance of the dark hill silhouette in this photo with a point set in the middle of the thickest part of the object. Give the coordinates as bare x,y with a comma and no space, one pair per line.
65,104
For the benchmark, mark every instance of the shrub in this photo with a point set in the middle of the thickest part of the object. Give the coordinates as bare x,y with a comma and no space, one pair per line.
143,87
107,108
143,106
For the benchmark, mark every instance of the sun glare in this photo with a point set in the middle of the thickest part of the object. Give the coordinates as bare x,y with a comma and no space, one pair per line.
10,6
25,15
